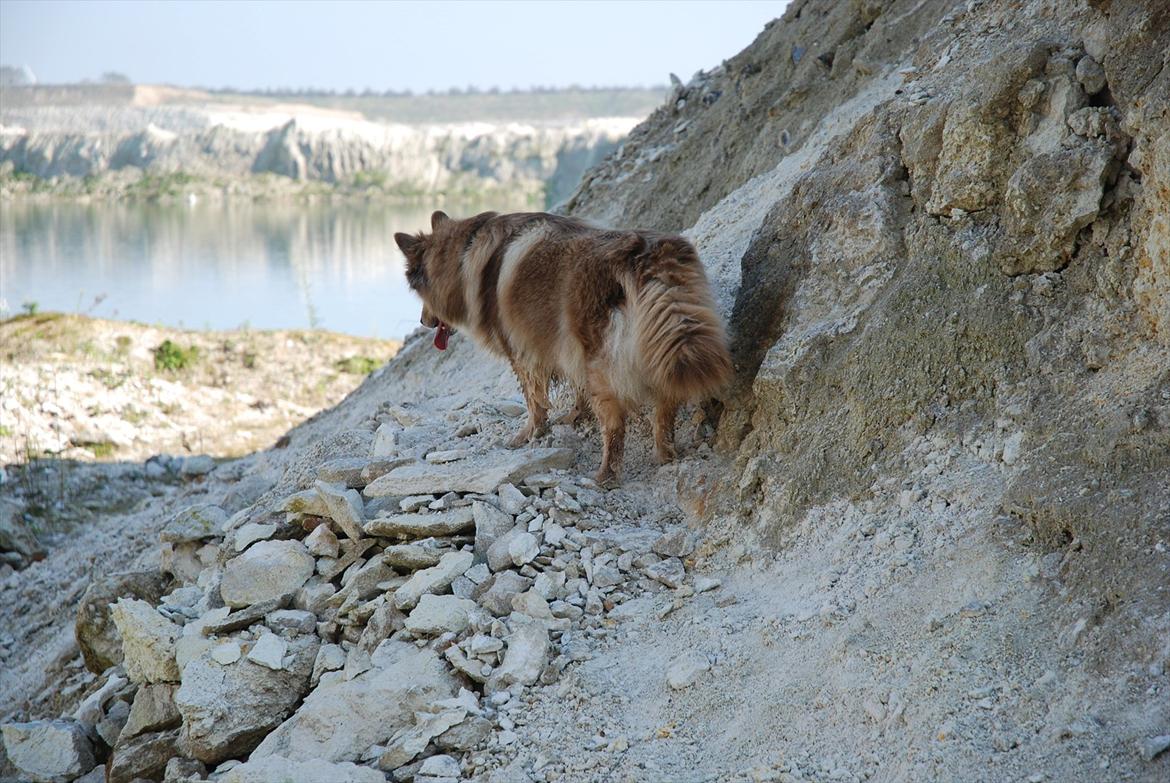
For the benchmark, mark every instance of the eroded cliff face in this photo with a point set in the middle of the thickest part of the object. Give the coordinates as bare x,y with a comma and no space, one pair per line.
955,248
306,144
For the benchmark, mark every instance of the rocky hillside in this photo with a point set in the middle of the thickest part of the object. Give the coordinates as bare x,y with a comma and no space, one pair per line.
924,537
225,145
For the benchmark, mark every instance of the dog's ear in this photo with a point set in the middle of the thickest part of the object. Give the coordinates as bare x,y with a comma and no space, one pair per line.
407,243
438,218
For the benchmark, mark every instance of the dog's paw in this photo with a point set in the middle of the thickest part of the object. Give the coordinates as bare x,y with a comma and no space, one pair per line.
665,454
606,479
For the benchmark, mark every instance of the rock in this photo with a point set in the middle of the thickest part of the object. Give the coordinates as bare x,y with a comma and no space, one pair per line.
466,735
346,471
410,742
440,766
142,757
512,500
685,670
330,658
314,596
410,557
549,584
14,533
1091,75
676,543
194,523
180,770
525,658
531,604
438,614
705,584
496,594
250,533
214,626
148,641
499,554
607,576
273,768
227,710
227,653
432,580
153,710
345,508
490,524
448,455
198,465
322,543
523,548
266,571
49,750
363,583
109,727
97,636
91,709
308,501
269,650
294,620
669,572
342,718
1152,747
386,440
409,526
480,474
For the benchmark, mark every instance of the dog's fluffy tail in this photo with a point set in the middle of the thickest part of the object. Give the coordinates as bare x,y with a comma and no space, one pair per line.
679,334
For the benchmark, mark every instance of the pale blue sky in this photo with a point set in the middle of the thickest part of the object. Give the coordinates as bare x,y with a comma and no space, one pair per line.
382,45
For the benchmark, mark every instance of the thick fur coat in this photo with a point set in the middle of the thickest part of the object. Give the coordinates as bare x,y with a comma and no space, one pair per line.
625,316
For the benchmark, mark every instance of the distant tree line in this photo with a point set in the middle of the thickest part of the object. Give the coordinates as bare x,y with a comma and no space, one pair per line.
369,92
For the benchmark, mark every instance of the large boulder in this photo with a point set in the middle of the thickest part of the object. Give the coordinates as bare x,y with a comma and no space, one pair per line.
227,709
49,751
480,474
97,636
342,718
148,641
143,756
266,571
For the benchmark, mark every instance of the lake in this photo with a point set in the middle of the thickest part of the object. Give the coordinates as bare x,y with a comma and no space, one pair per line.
215,266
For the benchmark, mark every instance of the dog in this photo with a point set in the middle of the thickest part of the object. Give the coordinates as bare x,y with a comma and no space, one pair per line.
624,316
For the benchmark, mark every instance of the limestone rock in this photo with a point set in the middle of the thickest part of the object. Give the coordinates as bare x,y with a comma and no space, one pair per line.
97,636
266,571
496,594
153,710
408,526
322,542
148,641
432,580
275,768
342,718
269,650
490,524
53,751
227,710
525,658
194,523
438,614
410,557
479,474
345,508
144,756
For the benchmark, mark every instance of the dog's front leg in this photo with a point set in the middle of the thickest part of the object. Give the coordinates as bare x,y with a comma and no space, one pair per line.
534,384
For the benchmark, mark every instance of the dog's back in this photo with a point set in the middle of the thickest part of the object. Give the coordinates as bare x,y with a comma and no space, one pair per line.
576,299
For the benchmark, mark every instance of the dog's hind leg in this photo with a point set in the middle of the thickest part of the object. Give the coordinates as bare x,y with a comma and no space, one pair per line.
611,415
580,407
534,384
664,415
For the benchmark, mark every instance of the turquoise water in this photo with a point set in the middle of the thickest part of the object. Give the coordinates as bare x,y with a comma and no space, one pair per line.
213,266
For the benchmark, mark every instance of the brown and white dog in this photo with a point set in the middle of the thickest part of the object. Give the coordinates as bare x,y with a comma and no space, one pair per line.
624,316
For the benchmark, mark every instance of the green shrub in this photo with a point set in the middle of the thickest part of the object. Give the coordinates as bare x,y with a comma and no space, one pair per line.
171,357
358,365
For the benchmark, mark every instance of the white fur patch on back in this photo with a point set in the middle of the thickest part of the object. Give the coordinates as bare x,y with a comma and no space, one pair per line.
517,249
621,353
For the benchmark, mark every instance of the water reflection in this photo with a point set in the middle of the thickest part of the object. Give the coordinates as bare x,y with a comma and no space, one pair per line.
215,266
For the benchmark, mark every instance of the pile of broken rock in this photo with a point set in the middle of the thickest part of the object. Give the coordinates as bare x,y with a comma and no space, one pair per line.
381,624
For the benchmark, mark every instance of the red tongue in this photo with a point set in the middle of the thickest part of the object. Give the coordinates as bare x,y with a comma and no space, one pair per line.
441,335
